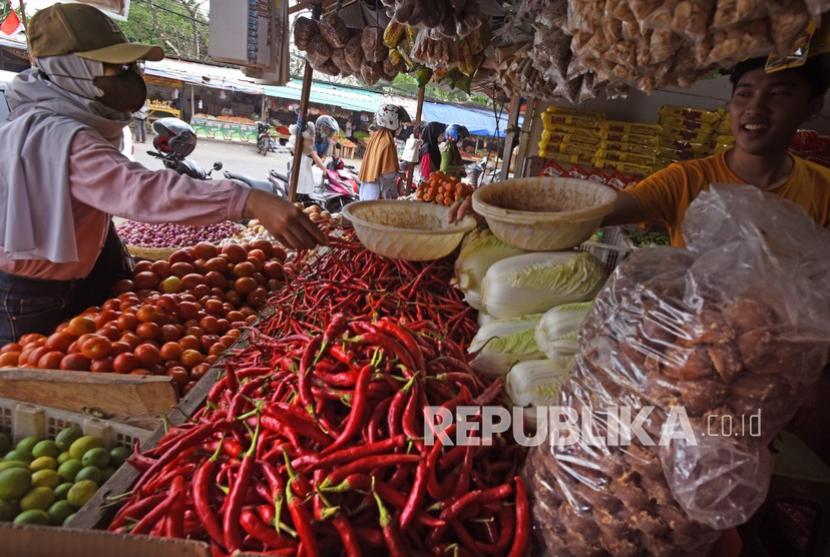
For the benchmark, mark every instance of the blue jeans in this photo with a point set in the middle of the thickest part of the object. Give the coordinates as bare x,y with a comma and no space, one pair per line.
32,305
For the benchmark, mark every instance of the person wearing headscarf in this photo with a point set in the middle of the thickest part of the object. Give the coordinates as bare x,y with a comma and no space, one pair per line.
66,177
430,153
451,162
379,169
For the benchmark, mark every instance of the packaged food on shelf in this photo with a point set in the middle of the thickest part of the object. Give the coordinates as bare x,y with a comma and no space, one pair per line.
620,156
614,126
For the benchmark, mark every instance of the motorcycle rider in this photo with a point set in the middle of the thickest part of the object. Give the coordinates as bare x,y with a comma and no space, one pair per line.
379,169
318,143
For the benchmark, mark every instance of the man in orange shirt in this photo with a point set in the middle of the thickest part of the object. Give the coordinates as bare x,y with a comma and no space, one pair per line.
766,110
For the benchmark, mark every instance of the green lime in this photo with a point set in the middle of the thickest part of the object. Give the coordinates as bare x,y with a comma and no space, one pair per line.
43,463
59,511
14,483
37,498
17,454
81,445
46,447
27,444
68,520
66,437
34,516
5,444
97,457
90,473
107,473
6,464
63,457
46,478
8,510
62,490
81,492
69,469
118,455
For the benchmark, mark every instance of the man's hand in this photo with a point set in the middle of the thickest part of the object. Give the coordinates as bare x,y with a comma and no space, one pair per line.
461,208
283,220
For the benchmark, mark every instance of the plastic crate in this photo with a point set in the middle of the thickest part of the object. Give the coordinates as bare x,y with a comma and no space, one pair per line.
21,419
610,247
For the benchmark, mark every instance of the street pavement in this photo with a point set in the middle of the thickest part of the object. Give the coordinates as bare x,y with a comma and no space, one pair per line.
237,158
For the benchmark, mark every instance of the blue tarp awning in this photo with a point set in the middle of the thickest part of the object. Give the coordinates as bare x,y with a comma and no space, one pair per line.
478,121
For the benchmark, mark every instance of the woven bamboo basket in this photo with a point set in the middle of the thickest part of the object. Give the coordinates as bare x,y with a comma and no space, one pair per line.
544,214
153,254
405,229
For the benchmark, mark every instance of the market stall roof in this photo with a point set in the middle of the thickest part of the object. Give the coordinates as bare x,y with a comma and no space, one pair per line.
329,94
478,121
219,77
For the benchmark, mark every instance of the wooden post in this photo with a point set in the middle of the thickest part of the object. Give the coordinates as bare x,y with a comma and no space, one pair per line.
524,139
512,123
298,144
419,110
22,15
192,102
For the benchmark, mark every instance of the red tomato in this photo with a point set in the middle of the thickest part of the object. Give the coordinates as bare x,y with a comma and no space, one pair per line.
257,254
171,351
119,347
96,347
59,342
235,253
216,279
80,325
208,341
244,269
148,331
204,250
161,269
170,333
146,280
209,324
264,246
11,347
245,285
75,362
201,290
184,254
104,365
147,314
214,307
217,265
191,358
122,286
273,269
190,342
50,360
198,371
125,363
147,355
35,356
182,268
132,339
179,375
127,322
9,359
110,332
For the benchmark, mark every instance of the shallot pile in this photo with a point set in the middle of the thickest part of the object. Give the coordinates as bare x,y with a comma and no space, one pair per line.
174,235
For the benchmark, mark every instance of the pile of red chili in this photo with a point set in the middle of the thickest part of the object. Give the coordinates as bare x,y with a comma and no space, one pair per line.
312,441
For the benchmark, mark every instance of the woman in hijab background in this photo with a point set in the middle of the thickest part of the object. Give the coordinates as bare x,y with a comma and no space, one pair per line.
66,177
430,154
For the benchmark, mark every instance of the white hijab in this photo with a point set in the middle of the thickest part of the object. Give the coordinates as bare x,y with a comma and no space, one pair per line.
50,104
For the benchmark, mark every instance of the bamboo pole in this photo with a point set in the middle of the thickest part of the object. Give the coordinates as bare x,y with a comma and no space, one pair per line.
305,94
524,138
512,124
23,15
419,110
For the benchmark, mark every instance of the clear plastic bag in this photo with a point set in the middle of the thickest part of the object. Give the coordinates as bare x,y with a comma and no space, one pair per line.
788,20
305,31
733,12
691,18
736,326
334,31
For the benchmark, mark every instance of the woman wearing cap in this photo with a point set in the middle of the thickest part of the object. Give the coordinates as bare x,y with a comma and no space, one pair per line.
379,169
451,162
431,139
57,243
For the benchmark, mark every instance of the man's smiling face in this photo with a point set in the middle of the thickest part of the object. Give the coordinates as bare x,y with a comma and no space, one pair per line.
767,109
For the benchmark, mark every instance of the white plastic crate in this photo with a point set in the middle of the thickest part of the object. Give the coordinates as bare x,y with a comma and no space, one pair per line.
21,419
612,248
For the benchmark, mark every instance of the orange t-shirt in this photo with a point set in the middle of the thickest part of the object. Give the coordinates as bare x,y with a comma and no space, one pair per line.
665,195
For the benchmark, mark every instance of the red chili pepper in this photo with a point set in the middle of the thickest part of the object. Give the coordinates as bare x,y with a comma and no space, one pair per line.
305,367
367,464
370,536
391,534
236,496
302,523
416,495
467,541
175,449
250,522
154,517
358,411
477,496
463,484
374,427
348,537
522,538
406,339
134,510
201,498
358,452
174,527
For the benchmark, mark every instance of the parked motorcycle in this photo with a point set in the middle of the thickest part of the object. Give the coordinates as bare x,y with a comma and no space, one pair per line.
265,141
338,188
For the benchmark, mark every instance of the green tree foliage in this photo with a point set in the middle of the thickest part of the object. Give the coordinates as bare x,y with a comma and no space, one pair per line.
179,26
406,84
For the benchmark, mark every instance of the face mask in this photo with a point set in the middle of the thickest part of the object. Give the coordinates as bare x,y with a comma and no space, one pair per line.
125,92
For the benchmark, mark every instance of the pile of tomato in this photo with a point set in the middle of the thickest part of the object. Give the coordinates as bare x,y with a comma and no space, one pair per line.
174,317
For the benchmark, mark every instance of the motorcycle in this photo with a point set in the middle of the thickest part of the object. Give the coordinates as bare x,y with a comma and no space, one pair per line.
265,140
338,188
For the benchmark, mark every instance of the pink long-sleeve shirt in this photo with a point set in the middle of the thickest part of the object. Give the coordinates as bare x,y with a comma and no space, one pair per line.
104,183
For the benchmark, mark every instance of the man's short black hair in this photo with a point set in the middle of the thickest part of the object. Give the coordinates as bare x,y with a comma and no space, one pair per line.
816,71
